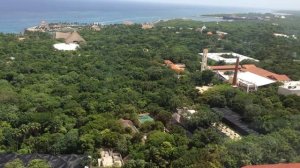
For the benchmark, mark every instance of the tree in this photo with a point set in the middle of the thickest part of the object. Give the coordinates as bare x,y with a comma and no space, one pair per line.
252,111
38,163
17,163
207,76
217,100
202,137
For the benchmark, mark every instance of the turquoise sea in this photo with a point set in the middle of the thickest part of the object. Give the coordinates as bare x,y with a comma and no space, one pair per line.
15,15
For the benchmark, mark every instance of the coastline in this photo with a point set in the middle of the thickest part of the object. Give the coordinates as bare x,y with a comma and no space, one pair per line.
17,21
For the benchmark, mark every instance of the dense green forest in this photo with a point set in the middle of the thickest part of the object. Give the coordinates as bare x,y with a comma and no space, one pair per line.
55,102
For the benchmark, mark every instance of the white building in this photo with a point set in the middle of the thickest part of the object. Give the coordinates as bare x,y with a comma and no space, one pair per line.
110,159
289,88
183,114
66,47
281,35
247,80
218,57
250,81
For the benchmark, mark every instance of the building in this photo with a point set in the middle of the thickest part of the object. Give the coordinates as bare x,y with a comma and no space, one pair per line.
128,23
110,159
179,68
290,88
262,72
95,27
223,68
147,26
220,33
281,165
209,33
145,118
281,35
66,47
183,114
43,27
228,58
70,37
250,81
234,120
249,77
203,89
253,69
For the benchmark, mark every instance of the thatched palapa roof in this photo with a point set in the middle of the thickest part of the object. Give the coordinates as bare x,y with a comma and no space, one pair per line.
69,37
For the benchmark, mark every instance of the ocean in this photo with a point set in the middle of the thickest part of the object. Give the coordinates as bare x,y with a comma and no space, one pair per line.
16,15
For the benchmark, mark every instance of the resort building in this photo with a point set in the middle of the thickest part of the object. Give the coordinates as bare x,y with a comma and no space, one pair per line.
203,89
281,165
183,114
147,26
179,68
264,73
95,27
66,47
249,77
110,159
209,33
70,37
290,88
226,69
43,27
228,58
128,23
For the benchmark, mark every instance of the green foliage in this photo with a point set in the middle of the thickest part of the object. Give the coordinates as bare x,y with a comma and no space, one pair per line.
71,102
17,163
37,163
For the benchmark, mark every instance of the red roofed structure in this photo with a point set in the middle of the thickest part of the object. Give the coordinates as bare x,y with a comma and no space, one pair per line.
261,72
288,165
223,68
253,69
179,68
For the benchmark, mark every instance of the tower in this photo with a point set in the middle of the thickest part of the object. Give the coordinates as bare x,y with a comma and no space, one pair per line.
204,60
236,70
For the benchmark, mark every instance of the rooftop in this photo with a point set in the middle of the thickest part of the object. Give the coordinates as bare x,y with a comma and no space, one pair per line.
252,78
287,165
223,67
253,69
218,57
290,88
292,85
176,67
234,120
144,118
261,72
66,47
69,37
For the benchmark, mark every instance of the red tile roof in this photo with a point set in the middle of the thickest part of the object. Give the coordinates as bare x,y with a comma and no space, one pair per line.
261,72
168,62
253,69
176,67
223,67
288,165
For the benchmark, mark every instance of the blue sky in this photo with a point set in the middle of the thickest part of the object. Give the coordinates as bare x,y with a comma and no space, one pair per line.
275,4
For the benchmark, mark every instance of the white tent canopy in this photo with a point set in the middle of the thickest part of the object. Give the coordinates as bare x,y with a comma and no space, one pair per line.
66,47
254,79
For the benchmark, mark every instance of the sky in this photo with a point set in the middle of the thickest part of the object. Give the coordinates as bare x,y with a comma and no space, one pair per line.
273,4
